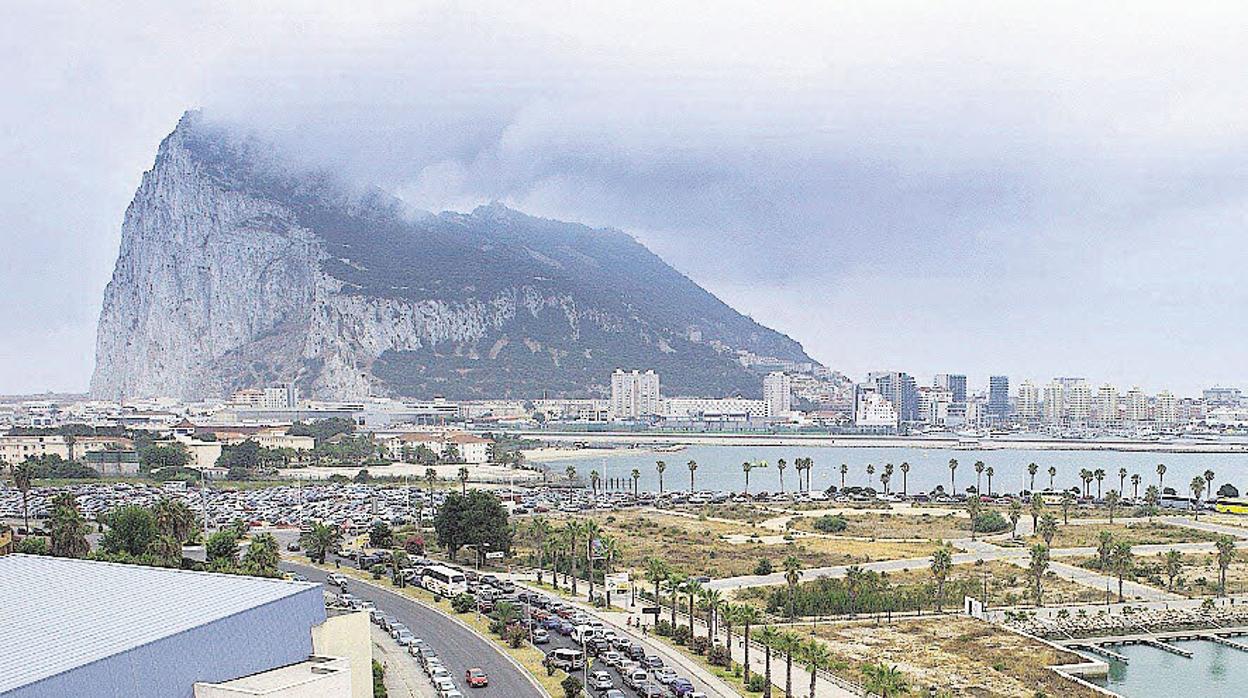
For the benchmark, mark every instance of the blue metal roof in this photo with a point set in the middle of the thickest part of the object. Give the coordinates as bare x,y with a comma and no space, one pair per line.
60,613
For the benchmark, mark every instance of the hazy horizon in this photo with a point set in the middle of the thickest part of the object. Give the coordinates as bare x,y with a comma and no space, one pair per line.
963,188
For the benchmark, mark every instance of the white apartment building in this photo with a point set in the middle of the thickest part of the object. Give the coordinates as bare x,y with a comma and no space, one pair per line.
472,449
1167,409
1137,407
1028,402
634,394
1079,403
1054,403
277,397
1107,406
934,405
778,393
874,410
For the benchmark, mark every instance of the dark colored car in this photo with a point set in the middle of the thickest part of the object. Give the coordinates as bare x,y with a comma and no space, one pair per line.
636,652
681,687
565,628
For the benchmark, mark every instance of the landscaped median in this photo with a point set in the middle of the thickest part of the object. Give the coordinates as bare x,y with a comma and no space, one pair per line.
527,656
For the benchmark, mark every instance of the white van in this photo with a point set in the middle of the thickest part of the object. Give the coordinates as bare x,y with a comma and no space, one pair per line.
567,659
582,633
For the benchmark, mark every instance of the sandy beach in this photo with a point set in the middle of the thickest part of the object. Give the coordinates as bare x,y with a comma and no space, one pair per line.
557,453
476,473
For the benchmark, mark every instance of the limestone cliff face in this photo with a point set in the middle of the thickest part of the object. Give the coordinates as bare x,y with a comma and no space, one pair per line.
233,273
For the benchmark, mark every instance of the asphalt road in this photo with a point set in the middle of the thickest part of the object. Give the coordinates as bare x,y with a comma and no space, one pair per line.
458,647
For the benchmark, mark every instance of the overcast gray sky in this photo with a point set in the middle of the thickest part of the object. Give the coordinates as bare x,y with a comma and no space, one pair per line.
974,187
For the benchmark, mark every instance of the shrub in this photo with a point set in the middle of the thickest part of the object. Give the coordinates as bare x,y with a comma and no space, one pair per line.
681,634
757,683
699,645
516,636
571,687
719,656
763,567
663,628
831,523
463,603
377,570
991,522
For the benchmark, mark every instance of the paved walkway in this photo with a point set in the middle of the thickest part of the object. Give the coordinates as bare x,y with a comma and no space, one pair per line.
404,679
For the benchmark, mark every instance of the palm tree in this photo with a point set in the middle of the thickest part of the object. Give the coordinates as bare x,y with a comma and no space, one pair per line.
1226,554
1068,500
675,582
570,473
1016,513
463,480
790,644
979,471
747,616
888,475
1174,565
767,637
815,656
792,575
693,589
319,540
431,478
973,506
1037,510
1099,474
942,563
905,472
953,469
1121,560
1038,566
23,476
1161,477
1032,469
989,472
870,473
1122,480
730,612
780,467
883,680
809,464
1047,528
1152,497
1086,476
1209,489
636,474
747,467
1052,474
693,467
1111,501
844,472
656,571
595,478
175,519
592,531
660,466
68,530
714,599
540,529
572,535
1197,486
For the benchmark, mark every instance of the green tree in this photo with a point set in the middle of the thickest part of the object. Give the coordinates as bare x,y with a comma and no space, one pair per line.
222,548
953,470
463,480
661,467
67,529
1104,550
1016,513
319,540
973,508
380,535
1047,528
1197,486
1173,563
477,519
571,686
131,530
1068,500
1111,501
883,680
262,556
768,638
158,456
748,616
816,656
242,459
1032,469
1038,565
693,468
1036,509
1122,561
23,478
792,574
175,519
788,644
942,564
1225,556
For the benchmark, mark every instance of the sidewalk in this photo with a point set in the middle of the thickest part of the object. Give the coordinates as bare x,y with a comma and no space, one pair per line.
403,678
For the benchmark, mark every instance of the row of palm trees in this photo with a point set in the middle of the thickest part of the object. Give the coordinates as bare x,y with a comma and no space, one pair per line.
573,548
720,614
982,470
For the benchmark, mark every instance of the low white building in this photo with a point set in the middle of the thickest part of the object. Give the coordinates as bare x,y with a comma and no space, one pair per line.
472,449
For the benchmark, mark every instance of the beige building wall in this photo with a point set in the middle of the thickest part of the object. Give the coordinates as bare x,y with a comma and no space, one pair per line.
319,677
348,635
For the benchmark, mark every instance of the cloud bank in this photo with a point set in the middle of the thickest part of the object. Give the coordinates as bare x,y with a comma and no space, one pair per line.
974,187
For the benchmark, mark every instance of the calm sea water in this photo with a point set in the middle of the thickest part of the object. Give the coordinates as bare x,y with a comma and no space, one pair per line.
719,467
1213,671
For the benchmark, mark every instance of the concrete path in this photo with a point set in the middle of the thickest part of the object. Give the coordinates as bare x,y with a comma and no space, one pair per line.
404,679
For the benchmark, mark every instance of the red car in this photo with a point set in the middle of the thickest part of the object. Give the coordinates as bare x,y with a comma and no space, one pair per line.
476,678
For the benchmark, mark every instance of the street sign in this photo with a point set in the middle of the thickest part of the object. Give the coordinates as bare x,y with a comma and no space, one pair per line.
494,555
617,582
651,610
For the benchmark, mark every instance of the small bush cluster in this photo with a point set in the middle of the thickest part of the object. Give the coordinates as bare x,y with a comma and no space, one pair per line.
719,656
463,603
699,645
831,523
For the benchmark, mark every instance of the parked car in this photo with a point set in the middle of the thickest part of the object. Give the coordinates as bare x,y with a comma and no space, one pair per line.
635,678
652,661
636,652
540,636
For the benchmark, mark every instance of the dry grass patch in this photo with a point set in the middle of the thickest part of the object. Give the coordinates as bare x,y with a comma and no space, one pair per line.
1137,533
1008,585
935,526
957,654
